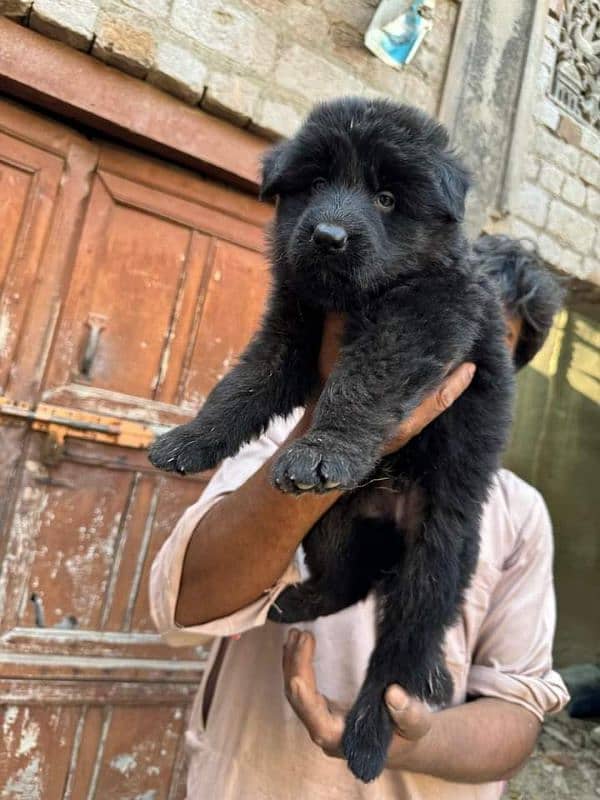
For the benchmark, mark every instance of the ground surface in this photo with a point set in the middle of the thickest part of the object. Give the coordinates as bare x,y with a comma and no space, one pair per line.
565,764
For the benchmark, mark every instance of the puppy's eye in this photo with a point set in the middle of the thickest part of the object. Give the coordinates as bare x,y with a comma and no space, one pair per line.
318,184
385,201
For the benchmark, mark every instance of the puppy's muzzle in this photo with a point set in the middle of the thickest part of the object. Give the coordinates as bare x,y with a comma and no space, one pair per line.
330,237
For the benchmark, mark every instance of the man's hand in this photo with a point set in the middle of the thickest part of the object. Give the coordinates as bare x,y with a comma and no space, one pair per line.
324,720
484,740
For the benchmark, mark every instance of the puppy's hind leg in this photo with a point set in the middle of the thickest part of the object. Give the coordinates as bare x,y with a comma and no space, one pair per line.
275,374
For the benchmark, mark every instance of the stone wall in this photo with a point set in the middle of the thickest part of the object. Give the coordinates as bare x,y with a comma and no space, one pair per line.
558,203
260,63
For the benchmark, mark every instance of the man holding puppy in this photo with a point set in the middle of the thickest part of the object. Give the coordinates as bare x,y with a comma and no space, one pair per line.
236,549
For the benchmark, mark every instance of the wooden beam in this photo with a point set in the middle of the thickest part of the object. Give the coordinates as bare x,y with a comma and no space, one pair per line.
81,88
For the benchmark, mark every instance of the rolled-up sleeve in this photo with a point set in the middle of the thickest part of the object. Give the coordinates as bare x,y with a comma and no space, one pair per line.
513,657
165,574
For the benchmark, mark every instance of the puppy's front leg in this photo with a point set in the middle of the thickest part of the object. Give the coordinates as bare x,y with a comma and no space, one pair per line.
275,374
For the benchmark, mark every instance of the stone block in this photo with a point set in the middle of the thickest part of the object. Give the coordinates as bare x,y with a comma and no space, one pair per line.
357,13
590,141
547,113
531,166
15,8
574,192
125,39
590,271
236,33
532,204
231,96
593,202
571,227
72,23
312,77
151,8
571,262
551,178
589,170
569,130
519,229
550,249
555,150
275,119
178,71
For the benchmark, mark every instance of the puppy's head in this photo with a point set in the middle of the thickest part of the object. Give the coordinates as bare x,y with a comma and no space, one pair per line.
367,190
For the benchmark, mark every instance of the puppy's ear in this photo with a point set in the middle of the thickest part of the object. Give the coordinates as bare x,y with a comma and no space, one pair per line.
273,166
454,183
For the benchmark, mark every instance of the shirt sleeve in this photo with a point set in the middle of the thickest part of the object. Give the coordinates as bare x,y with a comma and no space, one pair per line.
513,657
165,574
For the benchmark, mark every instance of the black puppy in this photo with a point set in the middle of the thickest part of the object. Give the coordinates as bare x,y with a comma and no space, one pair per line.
370,200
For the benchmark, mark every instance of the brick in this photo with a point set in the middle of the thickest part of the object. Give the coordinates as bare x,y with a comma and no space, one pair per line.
532,204
555,150
591,270
589,170
151,8
571,227
356,13
231,96
590,141
569,130
550,249
531,166
72,23
574,192
15,8
312,77
571,262
178,71
551,178
520,230
593,202
276,119
125,40
547,113
235,33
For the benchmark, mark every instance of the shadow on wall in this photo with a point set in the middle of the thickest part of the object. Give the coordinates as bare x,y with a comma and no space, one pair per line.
556,447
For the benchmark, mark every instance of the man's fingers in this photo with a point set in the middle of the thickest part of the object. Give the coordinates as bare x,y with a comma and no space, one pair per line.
298,655
453,386
411,718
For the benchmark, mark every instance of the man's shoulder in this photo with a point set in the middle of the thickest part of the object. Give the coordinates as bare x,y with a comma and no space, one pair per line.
514,510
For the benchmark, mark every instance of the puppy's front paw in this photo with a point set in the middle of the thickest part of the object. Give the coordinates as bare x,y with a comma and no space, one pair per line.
185,450
367,737
317,465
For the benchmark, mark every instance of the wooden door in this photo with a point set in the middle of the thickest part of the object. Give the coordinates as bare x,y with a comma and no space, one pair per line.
127,288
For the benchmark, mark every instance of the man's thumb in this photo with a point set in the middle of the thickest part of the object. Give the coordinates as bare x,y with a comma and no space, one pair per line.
411,718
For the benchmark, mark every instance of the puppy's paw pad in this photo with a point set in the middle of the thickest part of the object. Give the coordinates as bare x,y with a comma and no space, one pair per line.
314,466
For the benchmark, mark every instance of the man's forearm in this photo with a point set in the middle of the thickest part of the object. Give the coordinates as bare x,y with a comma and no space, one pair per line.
479,742
244,544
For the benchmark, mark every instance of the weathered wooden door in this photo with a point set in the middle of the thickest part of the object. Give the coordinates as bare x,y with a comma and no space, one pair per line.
127,287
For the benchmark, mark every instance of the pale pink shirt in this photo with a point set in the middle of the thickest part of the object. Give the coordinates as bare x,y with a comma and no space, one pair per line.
254,748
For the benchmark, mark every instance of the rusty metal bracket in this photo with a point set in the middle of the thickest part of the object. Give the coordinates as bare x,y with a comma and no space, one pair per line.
59,422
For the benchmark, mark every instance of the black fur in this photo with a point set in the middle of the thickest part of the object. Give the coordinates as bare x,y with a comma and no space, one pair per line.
416,306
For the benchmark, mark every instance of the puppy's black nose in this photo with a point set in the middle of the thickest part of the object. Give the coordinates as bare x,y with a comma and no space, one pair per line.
330,237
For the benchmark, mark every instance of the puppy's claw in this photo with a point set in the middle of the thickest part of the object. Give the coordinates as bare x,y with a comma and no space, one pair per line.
304,487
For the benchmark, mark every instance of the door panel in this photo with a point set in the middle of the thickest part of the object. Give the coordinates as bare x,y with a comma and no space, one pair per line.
127,287
154,273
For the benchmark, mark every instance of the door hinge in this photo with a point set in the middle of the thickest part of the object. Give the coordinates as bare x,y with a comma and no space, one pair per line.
59,422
